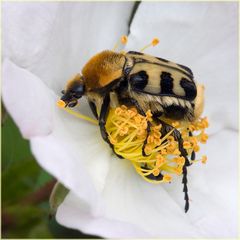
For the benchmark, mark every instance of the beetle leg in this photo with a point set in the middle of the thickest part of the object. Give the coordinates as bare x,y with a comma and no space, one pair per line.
102,121
177,136
193,155
93,108
134,102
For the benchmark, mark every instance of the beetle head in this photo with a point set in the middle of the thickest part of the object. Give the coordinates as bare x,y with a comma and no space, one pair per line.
75,89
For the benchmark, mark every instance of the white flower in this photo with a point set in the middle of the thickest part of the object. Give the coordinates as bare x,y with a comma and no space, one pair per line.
44,44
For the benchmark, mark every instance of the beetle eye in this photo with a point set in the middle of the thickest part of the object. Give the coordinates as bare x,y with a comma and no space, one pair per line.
78,91
72,103
63,92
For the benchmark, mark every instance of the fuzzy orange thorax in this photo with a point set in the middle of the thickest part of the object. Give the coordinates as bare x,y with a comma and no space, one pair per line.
102,69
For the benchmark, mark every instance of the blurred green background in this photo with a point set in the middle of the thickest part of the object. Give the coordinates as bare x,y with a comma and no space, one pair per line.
26,188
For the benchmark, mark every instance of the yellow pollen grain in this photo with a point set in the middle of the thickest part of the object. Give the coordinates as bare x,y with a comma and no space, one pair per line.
160,160
170,138
191,127
156,172
156,134
118,111
187,145
61,103
155,41
163,151
204,137
157,141
124,39
196,148
150,139
204,159
178,170
175,124
180,160
167,178
176,152
157,128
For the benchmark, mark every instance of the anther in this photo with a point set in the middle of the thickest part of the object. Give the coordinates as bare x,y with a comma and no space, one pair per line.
124,39
61,103
155,41
204,159
187,145
167,178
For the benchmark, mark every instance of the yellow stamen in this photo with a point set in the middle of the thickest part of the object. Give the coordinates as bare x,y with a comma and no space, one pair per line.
76,114
123,40
154,42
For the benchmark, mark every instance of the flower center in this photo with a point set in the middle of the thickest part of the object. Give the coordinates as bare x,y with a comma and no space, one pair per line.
128,133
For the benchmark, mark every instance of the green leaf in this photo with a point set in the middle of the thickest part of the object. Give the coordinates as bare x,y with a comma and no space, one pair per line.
40,230
57,196
42,179
19,180
4,114
14,147
18,220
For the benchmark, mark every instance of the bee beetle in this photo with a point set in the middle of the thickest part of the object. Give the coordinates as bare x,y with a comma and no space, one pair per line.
143,81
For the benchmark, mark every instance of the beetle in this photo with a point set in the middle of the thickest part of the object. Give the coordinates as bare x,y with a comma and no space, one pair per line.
135,79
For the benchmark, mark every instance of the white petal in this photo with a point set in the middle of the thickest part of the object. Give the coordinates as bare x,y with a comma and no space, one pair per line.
27,29
62,36
158,210
27,99
147,205
73,213
76,155
130,199
203,36
213,188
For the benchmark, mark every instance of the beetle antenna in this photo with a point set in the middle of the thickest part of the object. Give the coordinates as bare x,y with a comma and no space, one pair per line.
123,40
154,42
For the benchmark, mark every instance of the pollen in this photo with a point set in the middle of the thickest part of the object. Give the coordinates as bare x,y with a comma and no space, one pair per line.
124,39
155,41
133,134
187,145
167,178
61,103
204,159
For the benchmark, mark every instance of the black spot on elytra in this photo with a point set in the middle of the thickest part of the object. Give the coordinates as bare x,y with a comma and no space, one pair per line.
139,80
189,88
135,53
162,59
175,112
186,69
166,83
